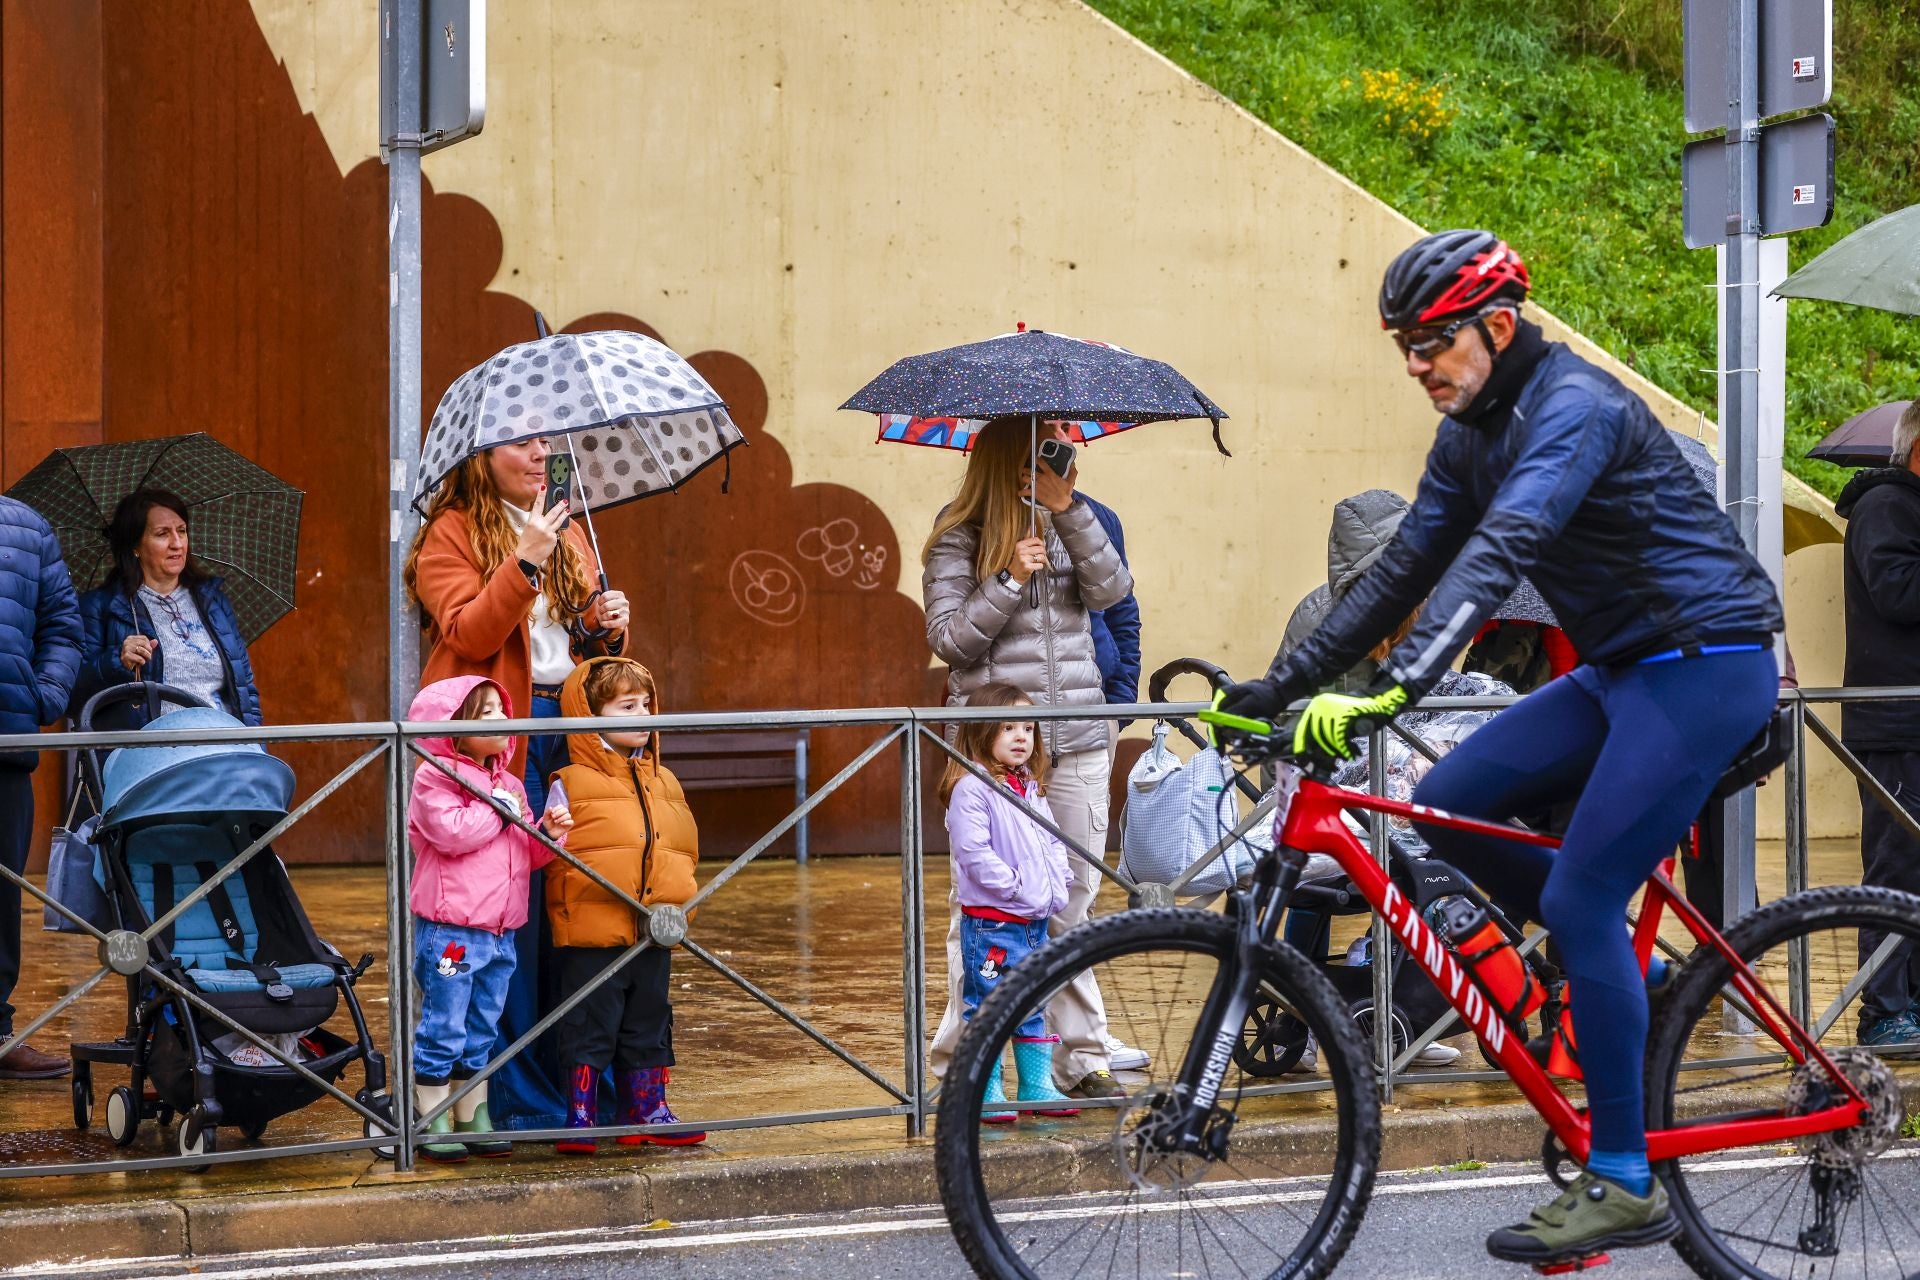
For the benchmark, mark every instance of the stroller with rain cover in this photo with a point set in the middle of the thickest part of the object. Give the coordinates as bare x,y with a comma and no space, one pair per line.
1274,1040
171,816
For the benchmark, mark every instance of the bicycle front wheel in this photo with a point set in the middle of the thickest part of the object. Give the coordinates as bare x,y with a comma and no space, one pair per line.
1832,1204
1280,1193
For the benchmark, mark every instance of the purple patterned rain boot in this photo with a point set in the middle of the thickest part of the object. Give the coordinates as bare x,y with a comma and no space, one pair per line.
583,1111
643,1100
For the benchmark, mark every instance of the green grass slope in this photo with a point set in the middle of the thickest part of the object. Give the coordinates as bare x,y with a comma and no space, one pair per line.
1560,127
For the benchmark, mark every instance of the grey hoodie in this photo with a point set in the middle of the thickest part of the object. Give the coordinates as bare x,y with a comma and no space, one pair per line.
1362,527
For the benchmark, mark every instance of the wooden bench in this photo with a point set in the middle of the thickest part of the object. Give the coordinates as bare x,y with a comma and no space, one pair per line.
745,760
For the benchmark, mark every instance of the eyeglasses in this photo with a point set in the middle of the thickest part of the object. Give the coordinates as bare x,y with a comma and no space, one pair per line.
175,620
1431,341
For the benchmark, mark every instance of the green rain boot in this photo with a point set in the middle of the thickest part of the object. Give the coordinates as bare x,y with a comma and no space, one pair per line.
995,1094
425,1098
470,1116
1033,1059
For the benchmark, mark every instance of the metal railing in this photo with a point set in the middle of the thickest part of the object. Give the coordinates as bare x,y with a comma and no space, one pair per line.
909,732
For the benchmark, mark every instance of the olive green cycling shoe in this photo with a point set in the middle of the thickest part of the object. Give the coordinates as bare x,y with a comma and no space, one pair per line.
1591,1216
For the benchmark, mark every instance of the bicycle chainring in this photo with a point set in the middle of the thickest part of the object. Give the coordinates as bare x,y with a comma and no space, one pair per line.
1811,1089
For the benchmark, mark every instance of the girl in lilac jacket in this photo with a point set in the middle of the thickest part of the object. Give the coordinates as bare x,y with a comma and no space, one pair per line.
1010,874
470,879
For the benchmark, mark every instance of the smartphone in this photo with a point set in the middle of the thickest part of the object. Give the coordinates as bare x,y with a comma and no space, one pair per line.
1058,455
559,479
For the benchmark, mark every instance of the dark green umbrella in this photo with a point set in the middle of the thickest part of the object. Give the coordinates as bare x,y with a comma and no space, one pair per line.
1876,266
245,520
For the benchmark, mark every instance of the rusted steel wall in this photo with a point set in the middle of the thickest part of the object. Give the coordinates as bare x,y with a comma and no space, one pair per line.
183,254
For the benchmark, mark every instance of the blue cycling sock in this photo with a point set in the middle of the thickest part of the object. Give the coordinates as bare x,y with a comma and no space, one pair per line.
1657,967
1622,1168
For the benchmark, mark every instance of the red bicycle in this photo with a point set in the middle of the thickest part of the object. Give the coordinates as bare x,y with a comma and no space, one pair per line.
1785,1146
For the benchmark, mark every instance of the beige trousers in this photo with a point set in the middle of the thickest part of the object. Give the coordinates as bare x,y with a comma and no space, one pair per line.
1077,794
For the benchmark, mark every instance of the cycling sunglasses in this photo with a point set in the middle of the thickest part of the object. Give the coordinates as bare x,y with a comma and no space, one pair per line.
1431,340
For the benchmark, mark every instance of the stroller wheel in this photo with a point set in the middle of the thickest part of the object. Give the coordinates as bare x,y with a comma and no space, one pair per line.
123,1116
382,1104
82,1102
1272,1042
196,1139
252,1132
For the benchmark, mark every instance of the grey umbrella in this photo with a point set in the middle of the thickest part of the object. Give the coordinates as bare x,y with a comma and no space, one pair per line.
1864,440
1876,266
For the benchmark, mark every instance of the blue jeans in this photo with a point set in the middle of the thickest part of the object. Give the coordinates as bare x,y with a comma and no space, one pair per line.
463,975
988,948
529,1092
1640,747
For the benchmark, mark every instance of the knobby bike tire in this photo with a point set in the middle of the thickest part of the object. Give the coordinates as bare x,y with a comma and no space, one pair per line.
1699,982
1344,1055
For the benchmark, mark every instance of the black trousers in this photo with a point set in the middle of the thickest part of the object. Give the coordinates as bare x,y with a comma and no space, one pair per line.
626,1021
16,833
1889,856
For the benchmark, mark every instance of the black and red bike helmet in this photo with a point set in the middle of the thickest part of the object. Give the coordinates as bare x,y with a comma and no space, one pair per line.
1449,274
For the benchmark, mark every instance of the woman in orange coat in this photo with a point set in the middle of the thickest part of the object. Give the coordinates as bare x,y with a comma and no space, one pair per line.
503,592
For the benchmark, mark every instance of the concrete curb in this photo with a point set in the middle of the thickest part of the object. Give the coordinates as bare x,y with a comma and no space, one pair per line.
445,1208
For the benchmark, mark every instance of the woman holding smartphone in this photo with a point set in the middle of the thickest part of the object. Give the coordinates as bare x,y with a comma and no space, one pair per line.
502,579
1012,568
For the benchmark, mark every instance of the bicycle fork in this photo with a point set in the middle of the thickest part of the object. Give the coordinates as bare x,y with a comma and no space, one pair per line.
1199,1126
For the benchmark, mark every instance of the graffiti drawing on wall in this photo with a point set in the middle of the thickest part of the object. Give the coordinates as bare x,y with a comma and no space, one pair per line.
837,547
767,588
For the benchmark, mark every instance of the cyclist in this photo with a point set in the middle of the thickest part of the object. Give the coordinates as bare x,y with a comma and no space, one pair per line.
1544,465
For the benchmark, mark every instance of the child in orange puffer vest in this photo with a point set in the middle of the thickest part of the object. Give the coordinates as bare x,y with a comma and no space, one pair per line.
631,824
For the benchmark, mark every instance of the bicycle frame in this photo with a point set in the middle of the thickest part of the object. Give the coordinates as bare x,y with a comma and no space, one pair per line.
1310,822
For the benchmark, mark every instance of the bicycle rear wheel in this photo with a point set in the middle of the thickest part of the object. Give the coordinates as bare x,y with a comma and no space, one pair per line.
1845,1203
1045,1198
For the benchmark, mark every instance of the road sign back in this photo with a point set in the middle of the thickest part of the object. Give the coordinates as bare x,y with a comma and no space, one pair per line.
1796,58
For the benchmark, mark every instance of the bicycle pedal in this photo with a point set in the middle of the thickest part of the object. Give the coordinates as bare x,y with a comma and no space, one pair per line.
1587,1263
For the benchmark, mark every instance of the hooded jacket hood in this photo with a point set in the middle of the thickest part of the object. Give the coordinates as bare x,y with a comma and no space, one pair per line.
1362,527
590,749
441,701
1865,482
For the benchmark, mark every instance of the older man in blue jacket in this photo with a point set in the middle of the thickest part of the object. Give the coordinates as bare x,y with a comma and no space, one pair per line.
39,658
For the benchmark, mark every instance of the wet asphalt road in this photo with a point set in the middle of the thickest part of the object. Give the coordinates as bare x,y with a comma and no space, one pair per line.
1419,1227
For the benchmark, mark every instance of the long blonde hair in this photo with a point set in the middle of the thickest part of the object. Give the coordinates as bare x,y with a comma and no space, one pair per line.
989,497
469,488
976,737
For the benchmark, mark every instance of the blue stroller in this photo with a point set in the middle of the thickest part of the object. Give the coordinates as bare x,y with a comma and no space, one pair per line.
171,816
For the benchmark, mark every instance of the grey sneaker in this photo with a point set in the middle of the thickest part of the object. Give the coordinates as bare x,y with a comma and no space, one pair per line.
1592,1216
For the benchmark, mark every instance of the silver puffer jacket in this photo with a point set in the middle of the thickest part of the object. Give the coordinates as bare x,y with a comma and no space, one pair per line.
989,631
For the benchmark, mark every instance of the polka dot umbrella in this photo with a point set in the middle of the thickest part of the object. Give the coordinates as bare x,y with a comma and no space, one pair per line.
637,418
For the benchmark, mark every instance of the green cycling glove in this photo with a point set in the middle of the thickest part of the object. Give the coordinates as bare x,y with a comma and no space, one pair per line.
1324,727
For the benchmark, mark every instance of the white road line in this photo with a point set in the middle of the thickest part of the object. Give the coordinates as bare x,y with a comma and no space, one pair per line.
284,1266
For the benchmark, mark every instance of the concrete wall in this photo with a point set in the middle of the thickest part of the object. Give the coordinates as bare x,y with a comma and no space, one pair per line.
802,192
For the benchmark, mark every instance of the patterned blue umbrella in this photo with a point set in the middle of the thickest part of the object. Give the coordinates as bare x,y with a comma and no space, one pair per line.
1044,375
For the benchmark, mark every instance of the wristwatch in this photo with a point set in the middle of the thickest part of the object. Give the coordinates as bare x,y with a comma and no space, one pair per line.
1005,578
532,571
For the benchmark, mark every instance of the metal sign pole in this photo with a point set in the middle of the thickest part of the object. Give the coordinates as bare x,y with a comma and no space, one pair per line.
1740,375
402,25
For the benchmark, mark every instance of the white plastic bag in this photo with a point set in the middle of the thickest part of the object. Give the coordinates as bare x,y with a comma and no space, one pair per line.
1175,813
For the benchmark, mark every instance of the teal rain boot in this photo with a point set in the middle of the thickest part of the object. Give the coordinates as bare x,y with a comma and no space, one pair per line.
995,1094
1034,1061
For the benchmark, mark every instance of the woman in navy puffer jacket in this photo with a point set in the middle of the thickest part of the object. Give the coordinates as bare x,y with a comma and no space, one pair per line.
158,616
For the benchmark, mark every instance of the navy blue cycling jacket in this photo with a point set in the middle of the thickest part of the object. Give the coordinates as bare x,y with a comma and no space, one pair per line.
1577,486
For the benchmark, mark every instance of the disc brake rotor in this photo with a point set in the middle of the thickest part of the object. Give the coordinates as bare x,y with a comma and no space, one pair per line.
1811,1089
1141,1151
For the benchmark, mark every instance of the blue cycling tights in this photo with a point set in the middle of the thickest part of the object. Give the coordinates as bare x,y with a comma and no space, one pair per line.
1641,747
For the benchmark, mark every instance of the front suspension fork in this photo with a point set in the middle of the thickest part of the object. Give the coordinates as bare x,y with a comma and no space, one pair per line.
1255,915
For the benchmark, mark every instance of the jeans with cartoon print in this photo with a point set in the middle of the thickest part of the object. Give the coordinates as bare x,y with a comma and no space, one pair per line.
463,975
988,948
